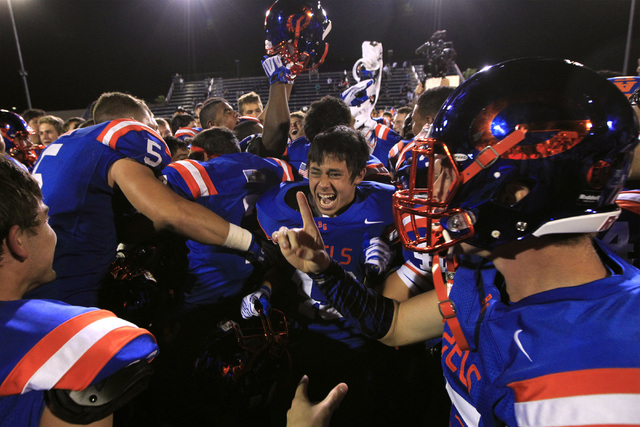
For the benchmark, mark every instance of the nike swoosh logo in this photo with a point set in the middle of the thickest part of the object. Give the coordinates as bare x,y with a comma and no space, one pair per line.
366,221
519,344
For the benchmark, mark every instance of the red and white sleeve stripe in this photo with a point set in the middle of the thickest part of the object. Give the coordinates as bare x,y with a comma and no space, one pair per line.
590,397
196,178
72,354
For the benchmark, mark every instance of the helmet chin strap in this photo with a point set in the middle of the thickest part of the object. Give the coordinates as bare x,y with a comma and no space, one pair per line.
445,305
489,154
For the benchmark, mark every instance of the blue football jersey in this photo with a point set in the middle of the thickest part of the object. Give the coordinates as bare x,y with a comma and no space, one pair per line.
563,357
229,186
58,346
369,216
297,155
73,174
381,140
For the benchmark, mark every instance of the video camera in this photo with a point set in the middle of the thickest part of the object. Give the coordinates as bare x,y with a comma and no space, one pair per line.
440,56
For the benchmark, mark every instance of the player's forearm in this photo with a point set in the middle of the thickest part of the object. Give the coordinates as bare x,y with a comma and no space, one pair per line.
195,222
277,119
392,323
371,312
168,210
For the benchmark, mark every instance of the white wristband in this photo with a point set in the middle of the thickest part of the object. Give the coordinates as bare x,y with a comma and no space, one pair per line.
238,238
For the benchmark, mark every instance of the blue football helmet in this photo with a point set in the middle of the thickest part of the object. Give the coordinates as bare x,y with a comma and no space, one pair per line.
296,29
15,130
554,126
16,134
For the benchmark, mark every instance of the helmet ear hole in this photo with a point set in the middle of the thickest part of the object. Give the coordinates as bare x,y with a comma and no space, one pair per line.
512,193
598,174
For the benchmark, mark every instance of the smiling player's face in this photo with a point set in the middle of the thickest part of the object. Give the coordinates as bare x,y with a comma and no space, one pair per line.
331,185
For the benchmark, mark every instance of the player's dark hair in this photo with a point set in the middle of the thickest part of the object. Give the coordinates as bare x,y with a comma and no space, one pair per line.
209,111
27,115
217,141
344,144
431,100
326,113
246,128
19,198
86,124
180,121
117,105
70,122
174,144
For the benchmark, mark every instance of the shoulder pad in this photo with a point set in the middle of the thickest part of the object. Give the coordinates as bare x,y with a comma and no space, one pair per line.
136,141
99,400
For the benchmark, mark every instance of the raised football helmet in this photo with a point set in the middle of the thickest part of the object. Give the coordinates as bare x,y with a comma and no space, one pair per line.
553,126
296,29
15,132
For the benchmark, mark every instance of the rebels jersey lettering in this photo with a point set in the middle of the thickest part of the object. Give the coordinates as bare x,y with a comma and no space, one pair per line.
73,174
624,235
229,186
563,357
58,346
370,215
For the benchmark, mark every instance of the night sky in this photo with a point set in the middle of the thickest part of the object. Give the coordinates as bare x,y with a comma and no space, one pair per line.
74,50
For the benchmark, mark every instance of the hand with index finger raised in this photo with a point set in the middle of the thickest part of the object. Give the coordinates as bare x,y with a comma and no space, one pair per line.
303,247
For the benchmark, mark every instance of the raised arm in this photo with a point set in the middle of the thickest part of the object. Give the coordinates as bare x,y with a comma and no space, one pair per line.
276,119
164,207
168,210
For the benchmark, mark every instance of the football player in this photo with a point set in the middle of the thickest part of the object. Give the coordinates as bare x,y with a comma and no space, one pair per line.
60,364
78,174
228,183
296,130
355,218
324,114
525,159
624,236
250,104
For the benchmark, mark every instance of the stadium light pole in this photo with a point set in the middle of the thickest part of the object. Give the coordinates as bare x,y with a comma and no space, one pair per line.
627,50
22,71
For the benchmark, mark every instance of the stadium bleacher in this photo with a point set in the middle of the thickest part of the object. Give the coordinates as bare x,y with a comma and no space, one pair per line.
307,88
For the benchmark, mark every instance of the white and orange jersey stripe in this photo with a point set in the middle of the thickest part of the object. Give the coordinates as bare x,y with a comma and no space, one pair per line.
183,133
381,131
117,128
196,178
629,200
402,157
590,397
72,354
287,174
396,149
